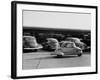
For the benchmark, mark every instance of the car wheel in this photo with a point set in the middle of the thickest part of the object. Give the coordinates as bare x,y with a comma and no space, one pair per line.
35,50
80,54
59,56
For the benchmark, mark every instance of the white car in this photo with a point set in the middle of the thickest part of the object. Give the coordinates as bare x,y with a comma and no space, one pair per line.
68,48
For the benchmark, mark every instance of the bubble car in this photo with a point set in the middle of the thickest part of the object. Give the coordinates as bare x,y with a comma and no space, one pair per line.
68,48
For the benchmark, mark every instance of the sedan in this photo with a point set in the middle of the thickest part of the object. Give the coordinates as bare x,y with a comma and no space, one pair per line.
51,44
30,44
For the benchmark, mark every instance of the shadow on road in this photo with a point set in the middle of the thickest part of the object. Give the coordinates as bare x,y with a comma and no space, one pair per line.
54,57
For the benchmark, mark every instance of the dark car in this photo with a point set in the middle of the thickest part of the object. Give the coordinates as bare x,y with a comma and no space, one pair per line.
30,44
77,42
51,44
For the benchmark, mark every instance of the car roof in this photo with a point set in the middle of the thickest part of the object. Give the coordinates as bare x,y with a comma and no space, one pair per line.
66,42
28,37
52,39
74,38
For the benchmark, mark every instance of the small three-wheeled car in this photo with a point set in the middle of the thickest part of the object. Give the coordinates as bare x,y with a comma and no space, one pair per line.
68,48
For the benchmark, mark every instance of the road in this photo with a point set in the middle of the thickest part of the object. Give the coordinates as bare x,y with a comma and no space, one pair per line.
39,60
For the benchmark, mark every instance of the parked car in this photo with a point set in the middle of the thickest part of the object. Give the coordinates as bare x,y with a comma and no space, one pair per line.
51,44
68,48
77,42
30,43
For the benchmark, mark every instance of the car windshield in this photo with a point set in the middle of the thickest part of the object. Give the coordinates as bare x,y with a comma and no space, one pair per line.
68,45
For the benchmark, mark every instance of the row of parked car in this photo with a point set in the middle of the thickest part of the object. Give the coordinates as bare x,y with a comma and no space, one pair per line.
69,46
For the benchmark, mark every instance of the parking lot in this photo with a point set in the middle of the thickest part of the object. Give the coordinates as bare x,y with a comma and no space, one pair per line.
44,59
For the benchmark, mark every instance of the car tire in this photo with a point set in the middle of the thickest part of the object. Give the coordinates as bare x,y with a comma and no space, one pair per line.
59,56
35,50
80,54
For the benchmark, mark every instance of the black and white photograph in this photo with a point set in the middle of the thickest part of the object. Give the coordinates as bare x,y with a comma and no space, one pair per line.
54,39
46,44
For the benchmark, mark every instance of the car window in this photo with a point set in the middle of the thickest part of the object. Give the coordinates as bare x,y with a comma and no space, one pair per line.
65,45
68,45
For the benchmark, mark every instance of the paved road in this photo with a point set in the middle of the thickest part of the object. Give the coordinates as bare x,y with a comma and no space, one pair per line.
38,60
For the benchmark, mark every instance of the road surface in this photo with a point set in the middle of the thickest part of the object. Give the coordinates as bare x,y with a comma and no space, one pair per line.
39,60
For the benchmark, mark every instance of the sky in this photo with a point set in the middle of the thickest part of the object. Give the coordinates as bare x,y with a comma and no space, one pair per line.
65,20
